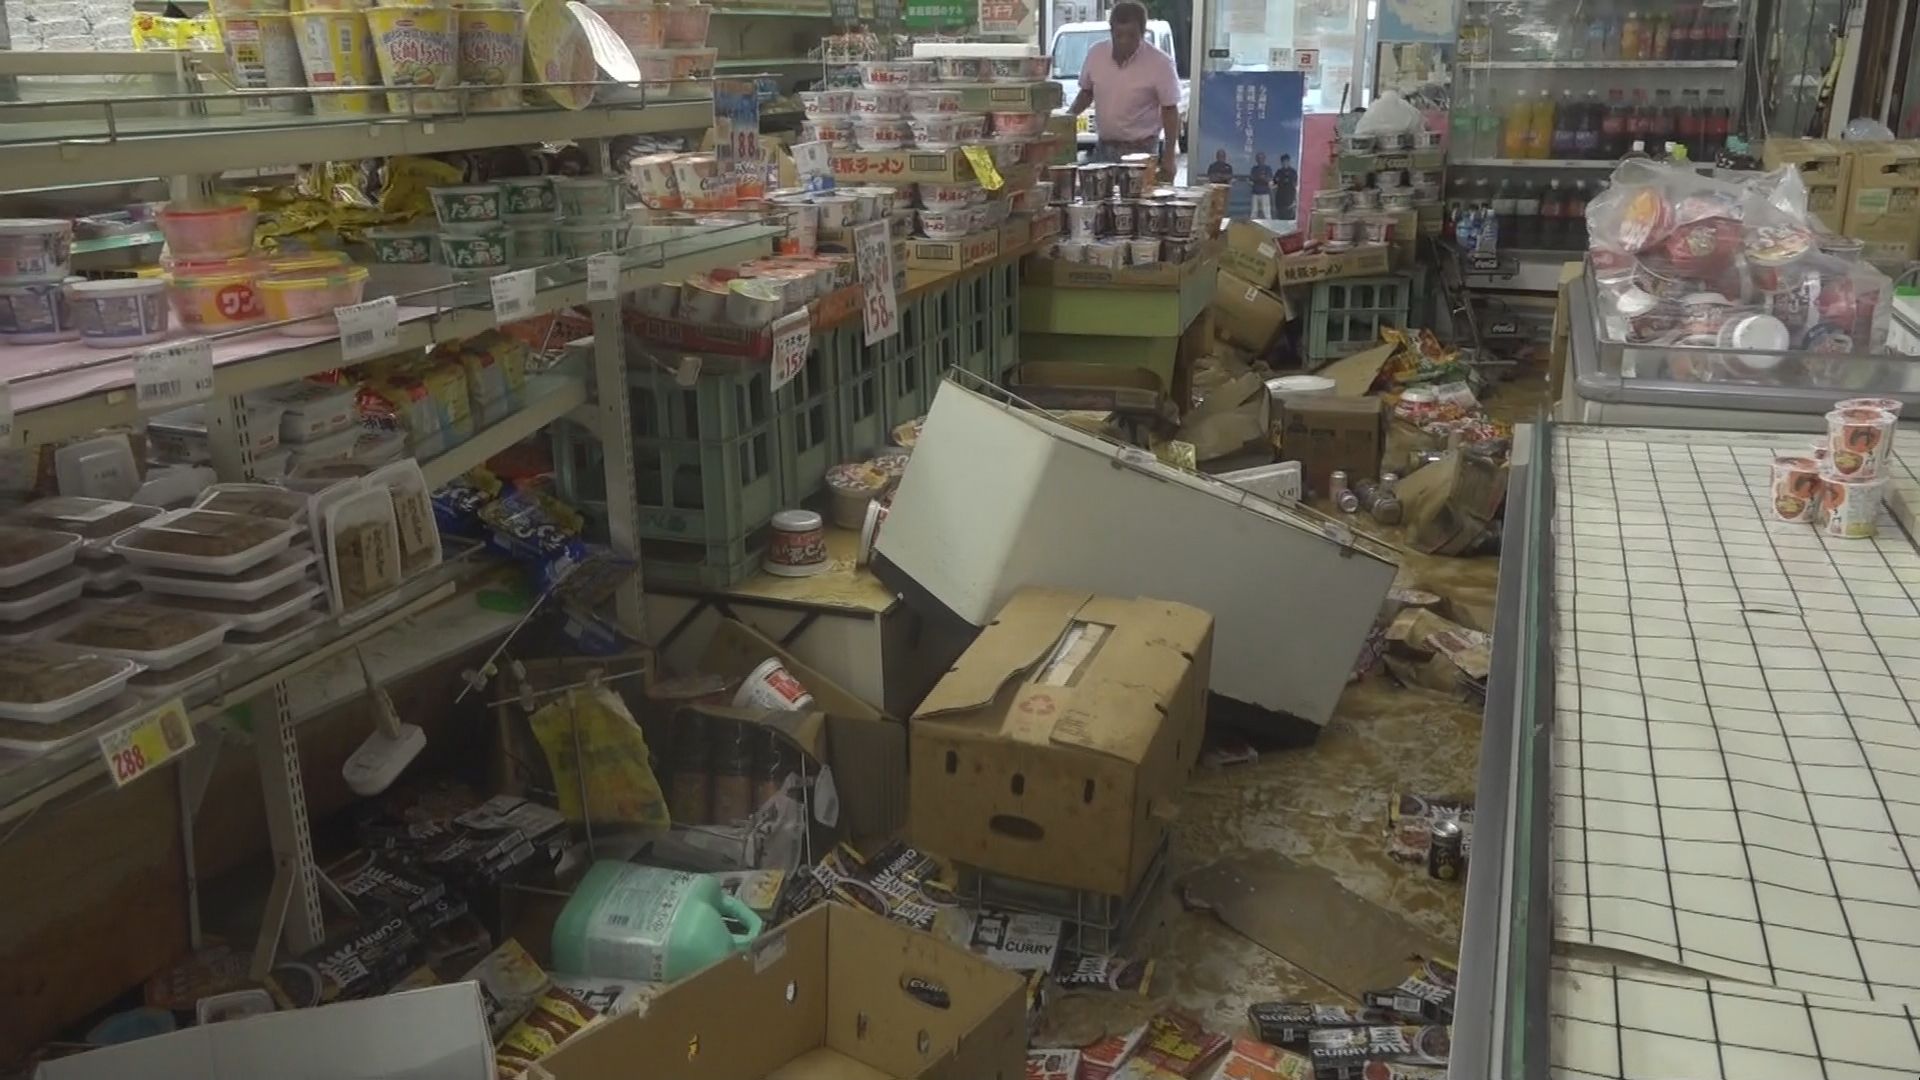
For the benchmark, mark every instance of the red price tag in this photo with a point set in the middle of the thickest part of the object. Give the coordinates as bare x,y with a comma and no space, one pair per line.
134,749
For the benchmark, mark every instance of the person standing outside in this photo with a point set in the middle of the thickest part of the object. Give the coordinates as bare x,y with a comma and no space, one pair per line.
1220,171
1260,184
1136,91
1286,185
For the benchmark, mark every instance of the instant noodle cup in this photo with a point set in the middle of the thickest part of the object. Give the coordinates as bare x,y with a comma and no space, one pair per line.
1884,404
265,54
1703,248
1860,441
652,176
1769,249
493,49
558,52
1850,507
418,47
336,50
209,297
1796,487
1645,218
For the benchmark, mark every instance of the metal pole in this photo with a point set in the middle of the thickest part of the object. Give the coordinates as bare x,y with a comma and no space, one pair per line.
277,747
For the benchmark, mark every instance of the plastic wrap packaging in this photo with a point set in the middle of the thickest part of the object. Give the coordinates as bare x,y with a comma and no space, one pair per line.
1734,267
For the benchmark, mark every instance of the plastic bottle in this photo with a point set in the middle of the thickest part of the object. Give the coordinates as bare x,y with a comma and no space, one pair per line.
1505,208
1685,29
1717,124
1691,127
1576,216
1640,121
1540,127
1599,34
643,922
1662,37
1637,152
1516,122
1566,120
1613,124
1630,30
1720,39
1526,215
1665,121
1586,131
1553,211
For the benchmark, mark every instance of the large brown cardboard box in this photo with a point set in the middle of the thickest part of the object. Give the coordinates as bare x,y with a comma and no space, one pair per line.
1050,749
1245,314
1328,433
838,993
1883,202
1824,167
1253,253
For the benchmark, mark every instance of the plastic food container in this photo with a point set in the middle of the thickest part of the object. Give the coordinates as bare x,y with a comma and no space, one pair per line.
152,636
652,176
307,297
878,102
254,500
42,594
45,684
402,244
490,249
753,303
579,239
263,52
247,643
28,553
1795,487
832,130
362,548
703,300
935,129
590,196
252,616
204,541
467,205
973,126
120,313
686,24
885,74
37,314
818,103
931,102
208,234
946,196
96,521
261,579
1850,506
947,224
1018,69
215,296
962,69
313,410
1859,442
527,196
881,132
336,50
35,249
535,243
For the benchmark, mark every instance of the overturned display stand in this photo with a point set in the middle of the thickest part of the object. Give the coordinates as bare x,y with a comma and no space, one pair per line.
1000,497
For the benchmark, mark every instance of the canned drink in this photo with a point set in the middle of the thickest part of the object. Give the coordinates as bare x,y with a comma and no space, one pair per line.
1446,850
1336,481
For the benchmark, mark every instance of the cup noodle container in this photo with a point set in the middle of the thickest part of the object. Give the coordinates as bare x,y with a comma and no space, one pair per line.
772,686
265,53
803,228
1850,508
1795,488
1885,404
652,178
493,49
336,50
418,47
1859,441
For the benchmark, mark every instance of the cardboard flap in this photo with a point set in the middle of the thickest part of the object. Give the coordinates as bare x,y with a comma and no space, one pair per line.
1017,639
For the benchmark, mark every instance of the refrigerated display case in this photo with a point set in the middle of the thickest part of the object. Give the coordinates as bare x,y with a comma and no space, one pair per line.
1549,94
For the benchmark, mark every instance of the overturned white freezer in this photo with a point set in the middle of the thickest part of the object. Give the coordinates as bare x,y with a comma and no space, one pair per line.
997,498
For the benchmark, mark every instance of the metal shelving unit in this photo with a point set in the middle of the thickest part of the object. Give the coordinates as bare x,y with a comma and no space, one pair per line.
66,390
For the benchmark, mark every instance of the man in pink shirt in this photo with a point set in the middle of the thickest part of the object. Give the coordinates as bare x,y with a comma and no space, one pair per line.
1136,89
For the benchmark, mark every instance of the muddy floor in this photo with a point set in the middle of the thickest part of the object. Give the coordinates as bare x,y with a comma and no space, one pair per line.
1323,806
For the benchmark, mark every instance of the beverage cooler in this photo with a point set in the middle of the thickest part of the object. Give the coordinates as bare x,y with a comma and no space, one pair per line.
1549,94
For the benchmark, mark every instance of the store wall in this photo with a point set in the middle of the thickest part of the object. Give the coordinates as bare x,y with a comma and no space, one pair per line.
69,25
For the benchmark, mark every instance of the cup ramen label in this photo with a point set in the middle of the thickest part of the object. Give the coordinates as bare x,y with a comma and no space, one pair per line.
1850,510
1859,440
1641,218
1778,243
1796,488
419,56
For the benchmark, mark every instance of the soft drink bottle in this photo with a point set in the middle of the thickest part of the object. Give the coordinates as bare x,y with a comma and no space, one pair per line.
1692,125
1576,216
1505,210
1662,37
1516,124
1599,35
1553,209
1630,30
1586,134
1640,121
1613,125
1685,27
1717,124
1719,39
1540,128
1526,215
1665,123
1565,121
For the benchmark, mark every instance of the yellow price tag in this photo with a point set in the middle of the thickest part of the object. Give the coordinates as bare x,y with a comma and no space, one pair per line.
133,749
982,161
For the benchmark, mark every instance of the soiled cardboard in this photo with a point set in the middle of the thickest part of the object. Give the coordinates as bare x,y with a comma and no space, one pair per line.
1059,273
1045,751
1253,252
1825,167
1233,417
1361,260
1354,375
1245,314
1062,386
1883,202
825,997
863,745
1328,433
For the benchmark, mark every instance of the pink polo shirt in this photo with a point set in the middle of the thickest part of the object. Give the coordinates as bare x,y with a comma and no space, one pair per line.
1127,98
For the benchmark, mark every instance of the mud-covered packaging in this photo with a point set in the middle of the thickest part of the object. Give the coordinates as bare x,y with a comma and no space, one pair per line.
1093,971
1180,1044
1053,1065
556,1016
1425,994
1104,1058
1344,1053
511,981
1288,1024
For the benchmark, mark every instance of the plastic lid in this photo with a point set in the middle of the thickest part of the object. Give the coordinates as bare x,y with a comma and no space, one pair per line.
118,286
797,521
1632,302
320,277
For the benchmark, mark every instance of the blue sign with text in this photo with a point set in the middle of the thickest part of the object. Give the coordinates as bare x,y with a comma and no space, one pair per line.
1250,140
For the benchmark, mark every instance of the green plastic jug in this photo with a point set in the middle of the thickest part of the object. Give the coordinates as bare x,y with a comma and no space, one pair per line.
642,922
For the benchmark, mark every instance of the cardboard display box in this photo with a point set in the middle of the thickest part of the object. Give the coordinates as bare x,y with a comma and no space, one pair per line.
1117,309
1257,255
1362,260
737,341
1883,199
1040,97
900,166
1079,361
1405,230
836,994
1065,386
1328,433
970,250
1045,751
1041,270
1247,315
1825,168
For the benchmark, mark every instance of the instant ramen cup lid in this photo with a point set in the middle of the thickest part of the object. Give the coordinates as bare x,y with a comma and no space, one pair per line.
1634,302
1773,245
1755,332
1646,217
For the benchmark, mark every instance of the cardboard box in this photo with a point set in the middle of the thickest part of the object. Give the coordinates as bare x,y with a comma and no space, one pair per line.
1359,261
1883,202
1041,270
1328,433
1824,167
860,742
1245,314
1044,752
900,166
439,1033
1253,252
836,994
970,250
752,344
1040,97
1065,387
1405,230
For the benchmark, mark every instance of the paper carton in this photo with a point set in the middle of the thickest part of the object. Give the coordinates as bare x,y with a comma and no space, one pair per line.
1066,386
1059,273
1245,314
836,994
970,250
1045,750
1253,252
1328,433
1359,261
1824,167
1883,204
900,166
